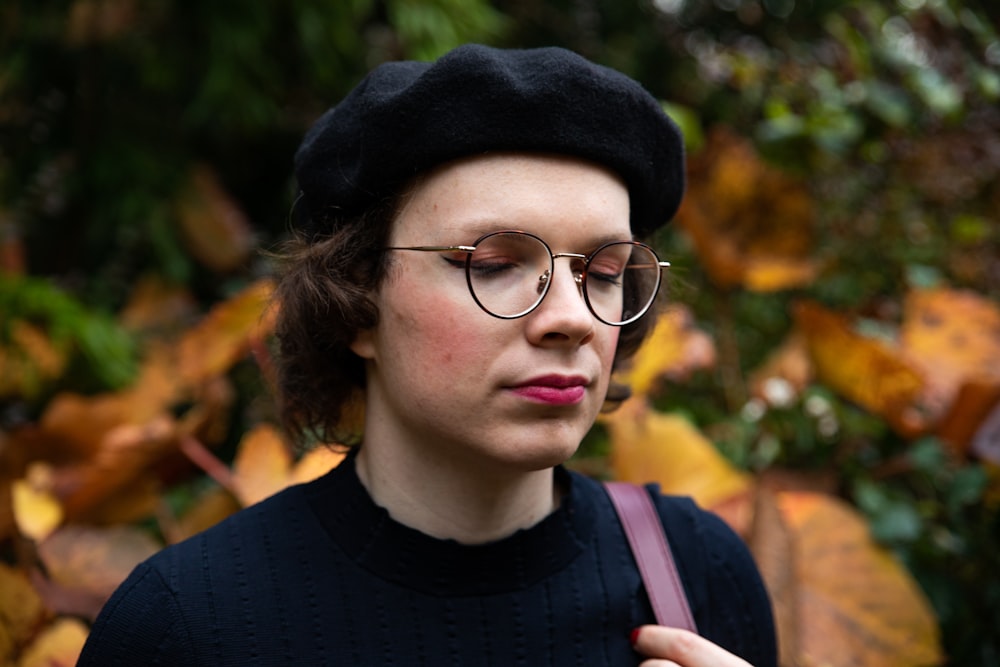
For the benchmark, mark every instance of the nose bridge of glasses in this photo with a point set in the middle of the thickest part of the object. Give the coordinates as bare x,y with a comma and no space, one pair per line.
576,267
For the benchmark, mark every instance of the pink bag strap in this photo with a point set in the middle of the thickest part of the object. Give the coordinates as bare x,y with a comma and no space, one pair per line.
652,554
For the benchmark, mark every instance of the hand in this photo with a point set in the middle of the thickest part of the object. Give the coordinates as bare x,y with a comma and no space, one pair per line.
670,647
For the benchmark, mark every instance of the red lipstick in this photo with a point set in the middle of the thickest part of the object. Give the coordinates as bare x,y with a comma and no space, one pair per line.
553,389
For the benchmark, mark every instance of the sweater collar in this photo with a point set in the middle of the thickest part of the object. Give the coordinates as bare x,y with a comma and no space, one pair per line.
402,555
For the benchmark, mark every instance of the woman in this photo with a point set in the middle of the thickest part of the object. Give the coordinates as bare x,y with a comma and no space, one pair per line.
466,262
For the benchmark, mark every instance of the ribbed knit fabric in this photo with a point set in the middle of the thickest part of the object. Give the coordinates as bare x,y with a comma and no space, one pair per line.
320,575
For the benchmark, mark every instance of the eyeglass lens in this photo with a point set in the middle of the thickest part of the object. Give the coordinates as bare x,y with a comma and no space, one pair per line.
510,272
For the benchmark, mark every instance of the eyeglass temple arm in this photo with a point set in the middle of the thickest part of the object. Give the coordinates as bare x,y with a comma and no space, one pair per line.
436,248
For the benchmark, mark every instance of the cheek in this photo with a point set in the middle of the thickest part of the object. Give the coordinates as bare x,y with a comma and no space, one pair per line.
608,345
439,331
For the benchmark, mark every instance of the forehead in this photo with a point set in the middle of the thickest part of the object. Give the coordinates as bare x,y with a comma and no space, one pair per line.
548,195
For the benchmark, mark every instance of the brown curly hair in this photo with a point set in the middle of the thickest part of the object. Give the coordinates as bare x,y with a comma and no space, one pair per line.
324,298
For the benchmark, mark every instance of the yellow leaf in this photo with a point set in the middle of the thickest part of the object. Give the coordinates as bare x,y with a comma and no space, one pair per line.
59,645
649,446
863,369
776,274
316,463
674,349
262,466
859,606
37,511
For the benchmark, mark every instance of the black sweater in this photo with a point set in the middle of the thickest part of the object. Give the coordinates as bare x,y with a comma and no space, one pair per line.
320,575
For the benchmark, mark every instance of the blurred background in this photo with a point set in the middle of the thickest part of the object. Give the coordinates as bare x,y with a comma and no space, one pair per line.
827,376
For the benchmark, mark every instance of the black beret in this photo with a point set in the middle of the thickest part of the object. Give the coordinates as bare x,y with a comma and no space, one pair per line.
406,117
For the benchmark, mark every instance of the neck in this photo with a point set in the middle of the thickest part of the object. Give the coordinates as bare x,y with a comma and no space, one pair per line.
445,499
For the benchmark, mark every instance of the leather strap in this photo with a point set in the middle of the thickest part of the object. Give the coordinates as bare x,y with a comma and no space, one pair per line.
652,554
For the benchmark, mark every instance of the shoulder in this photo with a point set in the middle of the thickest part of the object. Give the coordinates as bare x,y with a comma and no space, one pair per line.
143,602
176,604
728,597
725,591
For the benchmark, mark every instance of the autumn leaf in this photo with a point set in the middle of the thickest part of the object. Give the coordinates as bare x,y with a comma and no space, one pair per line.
29,360
92,21
649,446
85,564
210,508
864,370
953,337
858,604
264,465
37,511
59,645
674,349
212,223
751,224
118,470
773,545
156,306
225,334
21,612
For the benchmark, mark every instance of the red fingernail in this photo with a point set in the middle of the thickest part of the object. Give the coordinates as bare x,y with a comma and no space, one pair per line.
634,637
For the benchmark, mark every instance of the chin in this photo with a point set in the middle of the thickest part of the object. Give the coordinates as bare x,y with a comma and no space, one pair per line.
539,454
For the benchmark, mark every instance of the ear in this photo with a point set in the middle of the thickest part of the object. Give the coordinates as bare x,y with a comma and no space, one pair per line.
363,344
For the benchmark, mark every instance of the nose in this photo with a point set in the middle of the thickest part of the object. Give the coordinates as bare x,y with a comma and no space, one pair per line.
563,316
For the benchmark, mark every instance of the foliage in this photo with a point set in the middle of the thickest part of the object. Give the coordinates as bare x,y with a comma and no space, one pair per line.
831,388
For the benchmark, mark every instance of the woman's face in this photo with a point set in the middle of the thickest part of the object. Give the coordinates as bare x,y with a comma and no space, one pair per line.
447,379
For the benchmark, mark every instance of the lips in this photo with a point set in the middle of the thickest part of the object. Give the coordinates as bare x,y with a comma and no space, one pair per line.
553,389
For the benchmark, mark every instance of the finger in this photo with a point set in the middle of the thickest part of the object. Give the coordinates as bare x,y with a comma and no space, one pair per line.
656,662
684,648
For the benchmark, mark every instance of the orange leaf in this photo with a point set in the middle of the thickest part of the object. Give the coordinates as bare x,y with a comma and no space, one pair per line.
862,369
59,645
92,21
211,508
21,611
858,604
262,465
750,223
119,464
217,231
31,360
773,546
316,463
154,305
674,349
953,336
224,335
648,446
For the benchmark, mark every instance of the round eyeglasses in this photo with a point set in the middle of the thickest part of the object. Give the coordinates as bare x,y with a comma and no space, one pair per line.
510,272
